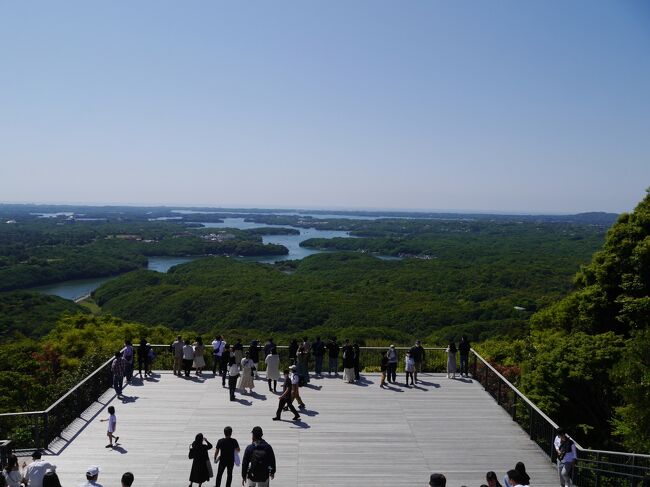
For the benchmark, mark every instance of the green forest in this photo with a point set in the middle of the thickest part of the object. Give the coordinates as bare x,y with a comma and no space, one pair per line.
562,307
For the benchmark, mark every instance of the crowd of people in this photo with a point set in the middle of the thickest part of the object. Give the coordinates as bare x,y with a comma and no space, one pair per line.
41,473
190,356
239,368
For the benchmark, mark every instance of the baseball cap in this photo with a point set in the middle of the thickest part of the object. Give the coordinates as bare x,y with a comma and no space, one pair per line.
292,367
257,431
92,471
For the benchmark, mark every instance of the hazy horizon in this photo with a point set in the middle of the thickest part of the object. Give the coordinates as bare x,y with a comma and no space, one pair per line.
537,108
299,208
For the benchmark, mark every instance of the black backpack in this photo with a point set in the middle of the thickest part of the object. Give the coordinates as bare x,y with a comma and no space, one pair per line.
258,468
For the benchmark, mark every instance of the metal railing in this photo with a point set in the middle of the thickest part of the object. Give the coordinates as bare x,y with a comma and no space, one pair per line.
596,468
38,429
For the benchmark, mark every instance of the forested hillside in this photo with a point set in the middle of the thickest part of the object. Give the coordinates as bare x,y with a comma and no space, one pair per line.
587,359
471,284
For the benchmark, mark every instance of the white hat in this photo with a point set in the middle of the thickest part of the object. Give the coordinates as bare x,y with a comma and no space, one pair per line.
92,471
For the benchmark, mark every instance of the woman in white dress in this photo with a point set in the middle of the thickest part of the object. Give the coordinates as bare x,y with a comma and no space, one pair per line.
451,361
199,361
246,380
272,361
12,473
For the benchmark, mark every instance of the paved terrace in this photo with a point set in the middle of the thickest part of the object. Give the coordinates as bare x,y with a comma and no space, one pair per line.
349,435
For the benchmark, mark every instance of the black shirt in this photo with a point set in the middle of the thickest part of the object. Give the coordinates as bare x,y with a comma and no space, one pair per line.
318,348
333,349
227,447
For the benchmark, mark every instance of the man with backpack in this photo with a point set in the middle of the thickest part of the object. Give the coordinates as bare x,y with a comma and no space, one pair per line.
258,464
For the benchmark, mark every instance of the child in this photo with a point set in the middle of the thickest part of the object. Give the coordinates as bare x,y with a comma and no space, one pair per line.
409,367
112,424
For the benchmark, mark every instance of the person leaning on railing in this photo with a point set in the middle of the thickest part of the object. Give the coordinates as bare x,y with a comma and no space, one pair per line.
566,457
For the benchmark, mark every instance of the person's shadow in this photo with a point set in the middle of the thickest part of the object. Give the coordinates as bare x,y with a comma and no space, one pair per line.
120,450
127,399
392,388
255,395
244,402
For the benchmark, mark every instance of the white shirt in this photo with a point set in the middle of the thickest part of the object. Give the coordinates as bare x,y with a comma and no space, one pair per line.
295,379
188,352
36,471
216,347
233,370
90,483
112,423
13,477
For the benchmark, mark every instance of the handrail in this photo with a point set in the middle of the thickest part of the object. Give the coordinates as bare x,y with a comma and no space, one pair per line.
543,415
515,390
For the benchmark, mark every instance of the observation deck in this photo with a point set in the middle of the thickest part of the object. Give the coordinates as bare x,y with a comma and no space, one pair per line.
349,434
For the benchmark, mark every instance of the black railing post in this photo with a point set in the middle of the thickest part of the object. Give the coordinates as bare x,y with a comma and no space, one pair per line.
46,429
597,469
499,393
474,366
514,407
485,385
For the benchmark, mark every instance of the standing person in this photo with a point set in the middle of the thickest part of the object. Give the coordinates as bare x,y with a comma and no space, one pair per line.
142,357
127,355
318,348
285,399
149,360
92,473
392,364
233,374
177,350
216,353
268,346
356,351
451,360
348,362
293,351
51,479
333,356
417,354
383,367
517,476
295,387
224,365
188,358
566,457
305,346
199,360
258,464
12,474
272,369
224,453
492,480
463,350
238,350
118,367
201,467
246,379
112,426
514,478
127,479
36,470
302,365
409,368
254,353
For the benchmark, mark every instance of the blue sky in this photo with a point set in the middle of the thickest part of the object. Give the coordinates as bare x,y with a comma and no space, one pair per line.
492,106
